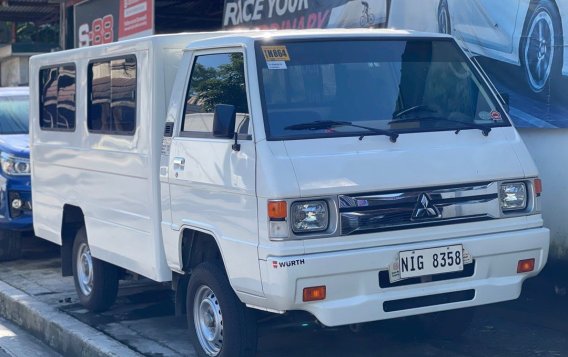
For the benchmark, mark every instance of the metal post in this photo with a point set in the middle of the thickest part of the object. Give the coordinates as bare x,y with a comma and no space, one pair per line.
63,24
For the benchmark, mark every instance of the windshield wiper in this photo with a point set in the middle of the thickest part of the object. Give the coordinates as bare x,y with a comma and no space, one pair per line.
416,108
328,124
484,129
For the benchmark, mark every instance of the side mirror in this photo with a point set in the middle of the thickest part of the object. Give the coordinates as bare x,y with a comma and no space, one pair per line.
505,100
224,121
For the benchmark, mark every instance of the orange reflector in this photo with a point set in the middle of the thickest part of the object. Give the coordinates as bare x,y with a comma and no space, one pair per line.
537,186
314,293
277,209
525,266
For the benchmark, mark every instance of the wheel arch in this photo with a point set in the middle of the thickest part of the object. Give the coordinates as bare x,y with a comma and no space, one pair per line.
533,4
72,221
196,246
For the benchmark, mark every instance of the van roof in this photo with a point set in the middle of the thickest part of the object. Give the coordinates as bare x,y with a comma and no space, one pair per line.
191,38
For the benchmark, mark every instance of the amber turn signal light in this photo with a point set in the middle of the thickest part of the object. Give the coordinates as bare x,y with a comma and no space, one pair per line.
537,186
314,293
277,209
525,266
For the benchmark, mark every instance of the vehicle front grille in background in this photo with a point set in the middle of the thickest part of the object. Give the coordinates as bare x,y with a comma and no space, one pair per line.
365,213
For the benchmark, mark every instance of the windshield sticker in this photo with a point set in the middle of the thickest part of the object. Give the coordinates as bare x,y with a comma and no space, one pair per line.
495,115
276,65
275,53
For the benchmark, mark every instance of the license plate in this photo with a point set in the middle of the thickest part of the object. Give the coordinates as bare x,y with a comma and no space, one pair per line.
413,263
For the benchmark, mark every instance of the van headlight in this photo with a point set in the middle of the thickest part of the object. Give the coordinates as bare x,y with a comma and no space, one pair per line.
513,196
13,165
309,216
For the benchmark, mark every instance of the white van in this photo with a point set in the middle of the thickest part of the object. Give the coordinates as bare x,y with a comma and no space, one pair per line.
358,175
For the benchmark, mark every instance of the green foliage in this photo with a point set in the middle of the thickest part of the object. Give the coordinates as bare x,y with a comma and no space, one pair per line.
225,85
30,32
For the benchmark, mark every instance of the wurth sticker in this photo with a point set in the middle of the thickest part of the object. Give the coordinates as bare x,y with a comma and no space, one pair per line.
288,263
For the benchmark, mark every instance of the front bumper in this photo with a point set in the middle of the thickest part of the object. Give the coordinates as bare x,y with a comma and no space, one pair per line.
11,219
352,279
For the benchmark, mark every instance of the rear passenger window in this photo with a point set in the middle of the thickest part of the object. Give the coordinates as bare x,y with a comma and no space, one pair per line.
112,96
57,98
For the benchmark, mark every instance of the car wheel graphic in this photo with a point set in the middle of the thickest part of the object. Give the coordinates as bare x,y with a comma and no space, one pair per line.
541,46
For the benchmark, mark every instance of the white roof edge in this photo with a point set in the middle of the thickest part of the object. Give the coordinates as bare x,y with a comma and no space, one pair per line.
200,37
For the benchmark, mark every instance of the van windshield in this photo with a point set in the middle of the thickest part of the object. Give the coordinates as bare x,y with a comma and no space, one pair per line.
14,111
324,88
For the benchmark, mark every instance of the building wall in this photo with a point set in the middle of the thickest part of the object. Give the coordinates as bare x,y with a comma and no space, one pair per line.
14,71
549,149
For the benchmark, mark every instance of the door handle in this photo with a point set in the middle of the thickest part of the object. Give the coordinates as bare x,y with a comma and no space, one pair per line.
179,164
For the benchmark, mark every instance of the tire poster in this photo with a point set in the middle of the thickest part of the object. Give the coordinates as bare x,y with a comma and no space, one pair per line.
518,43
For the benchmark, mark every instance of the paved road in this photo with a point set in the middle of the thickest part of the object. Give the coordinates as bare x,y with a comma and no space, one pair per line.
14,342
142,318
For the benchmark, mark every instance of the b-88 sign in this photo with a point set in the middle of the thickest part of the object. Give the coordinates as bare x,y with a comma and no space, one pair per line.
100,31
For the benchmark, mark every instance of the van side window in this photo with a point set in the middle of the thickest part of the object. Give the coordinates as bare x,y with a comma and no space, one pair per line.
215,79
112,96
57,98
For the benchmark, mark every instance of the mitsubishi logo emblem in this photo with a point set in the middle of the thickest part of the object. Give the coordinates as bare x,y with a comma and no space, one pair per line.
424,208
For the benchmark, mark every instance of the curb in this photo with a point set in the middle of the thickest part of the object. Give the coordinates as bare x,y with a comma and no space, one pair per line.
60,331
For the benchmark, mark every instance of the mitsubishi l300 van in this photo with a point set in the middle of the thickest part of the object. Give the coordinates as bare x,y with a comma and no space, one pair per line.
357,175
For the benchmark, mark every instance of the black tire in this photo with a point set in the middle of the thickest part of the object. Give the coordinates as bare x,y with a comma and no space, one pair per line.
447,324
541,47
10,245
444,21
238,331
104,277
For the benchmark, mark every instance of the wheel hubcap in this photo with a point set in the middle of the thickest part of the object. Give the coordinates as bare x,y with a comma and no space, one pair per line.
208,320
539,51
85,269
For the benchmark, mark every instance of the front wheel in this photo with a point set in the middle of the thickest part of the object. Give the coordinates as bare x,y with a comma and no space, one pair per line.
219,324
96,281
541,46
10,245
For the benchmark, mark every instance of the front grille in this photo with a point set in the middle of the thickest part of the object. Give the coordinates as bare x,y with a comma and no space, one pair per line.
430,300
365,213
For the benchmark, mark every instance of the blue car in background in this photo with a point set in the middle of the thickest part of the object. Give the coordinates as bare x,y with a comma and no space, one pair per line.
15,189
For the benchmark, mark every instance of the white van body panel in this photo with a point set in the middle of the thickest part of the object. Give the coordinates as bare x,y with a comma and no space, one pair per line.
431,159
125,213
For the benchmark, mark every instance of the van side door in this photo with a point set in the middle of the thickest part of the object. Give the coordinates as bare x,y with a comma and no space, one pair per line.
212,185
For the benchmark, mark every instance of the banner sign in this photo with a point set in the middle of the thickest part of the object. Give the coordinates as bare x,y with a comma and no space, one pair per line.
521,45
105,21
303,14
